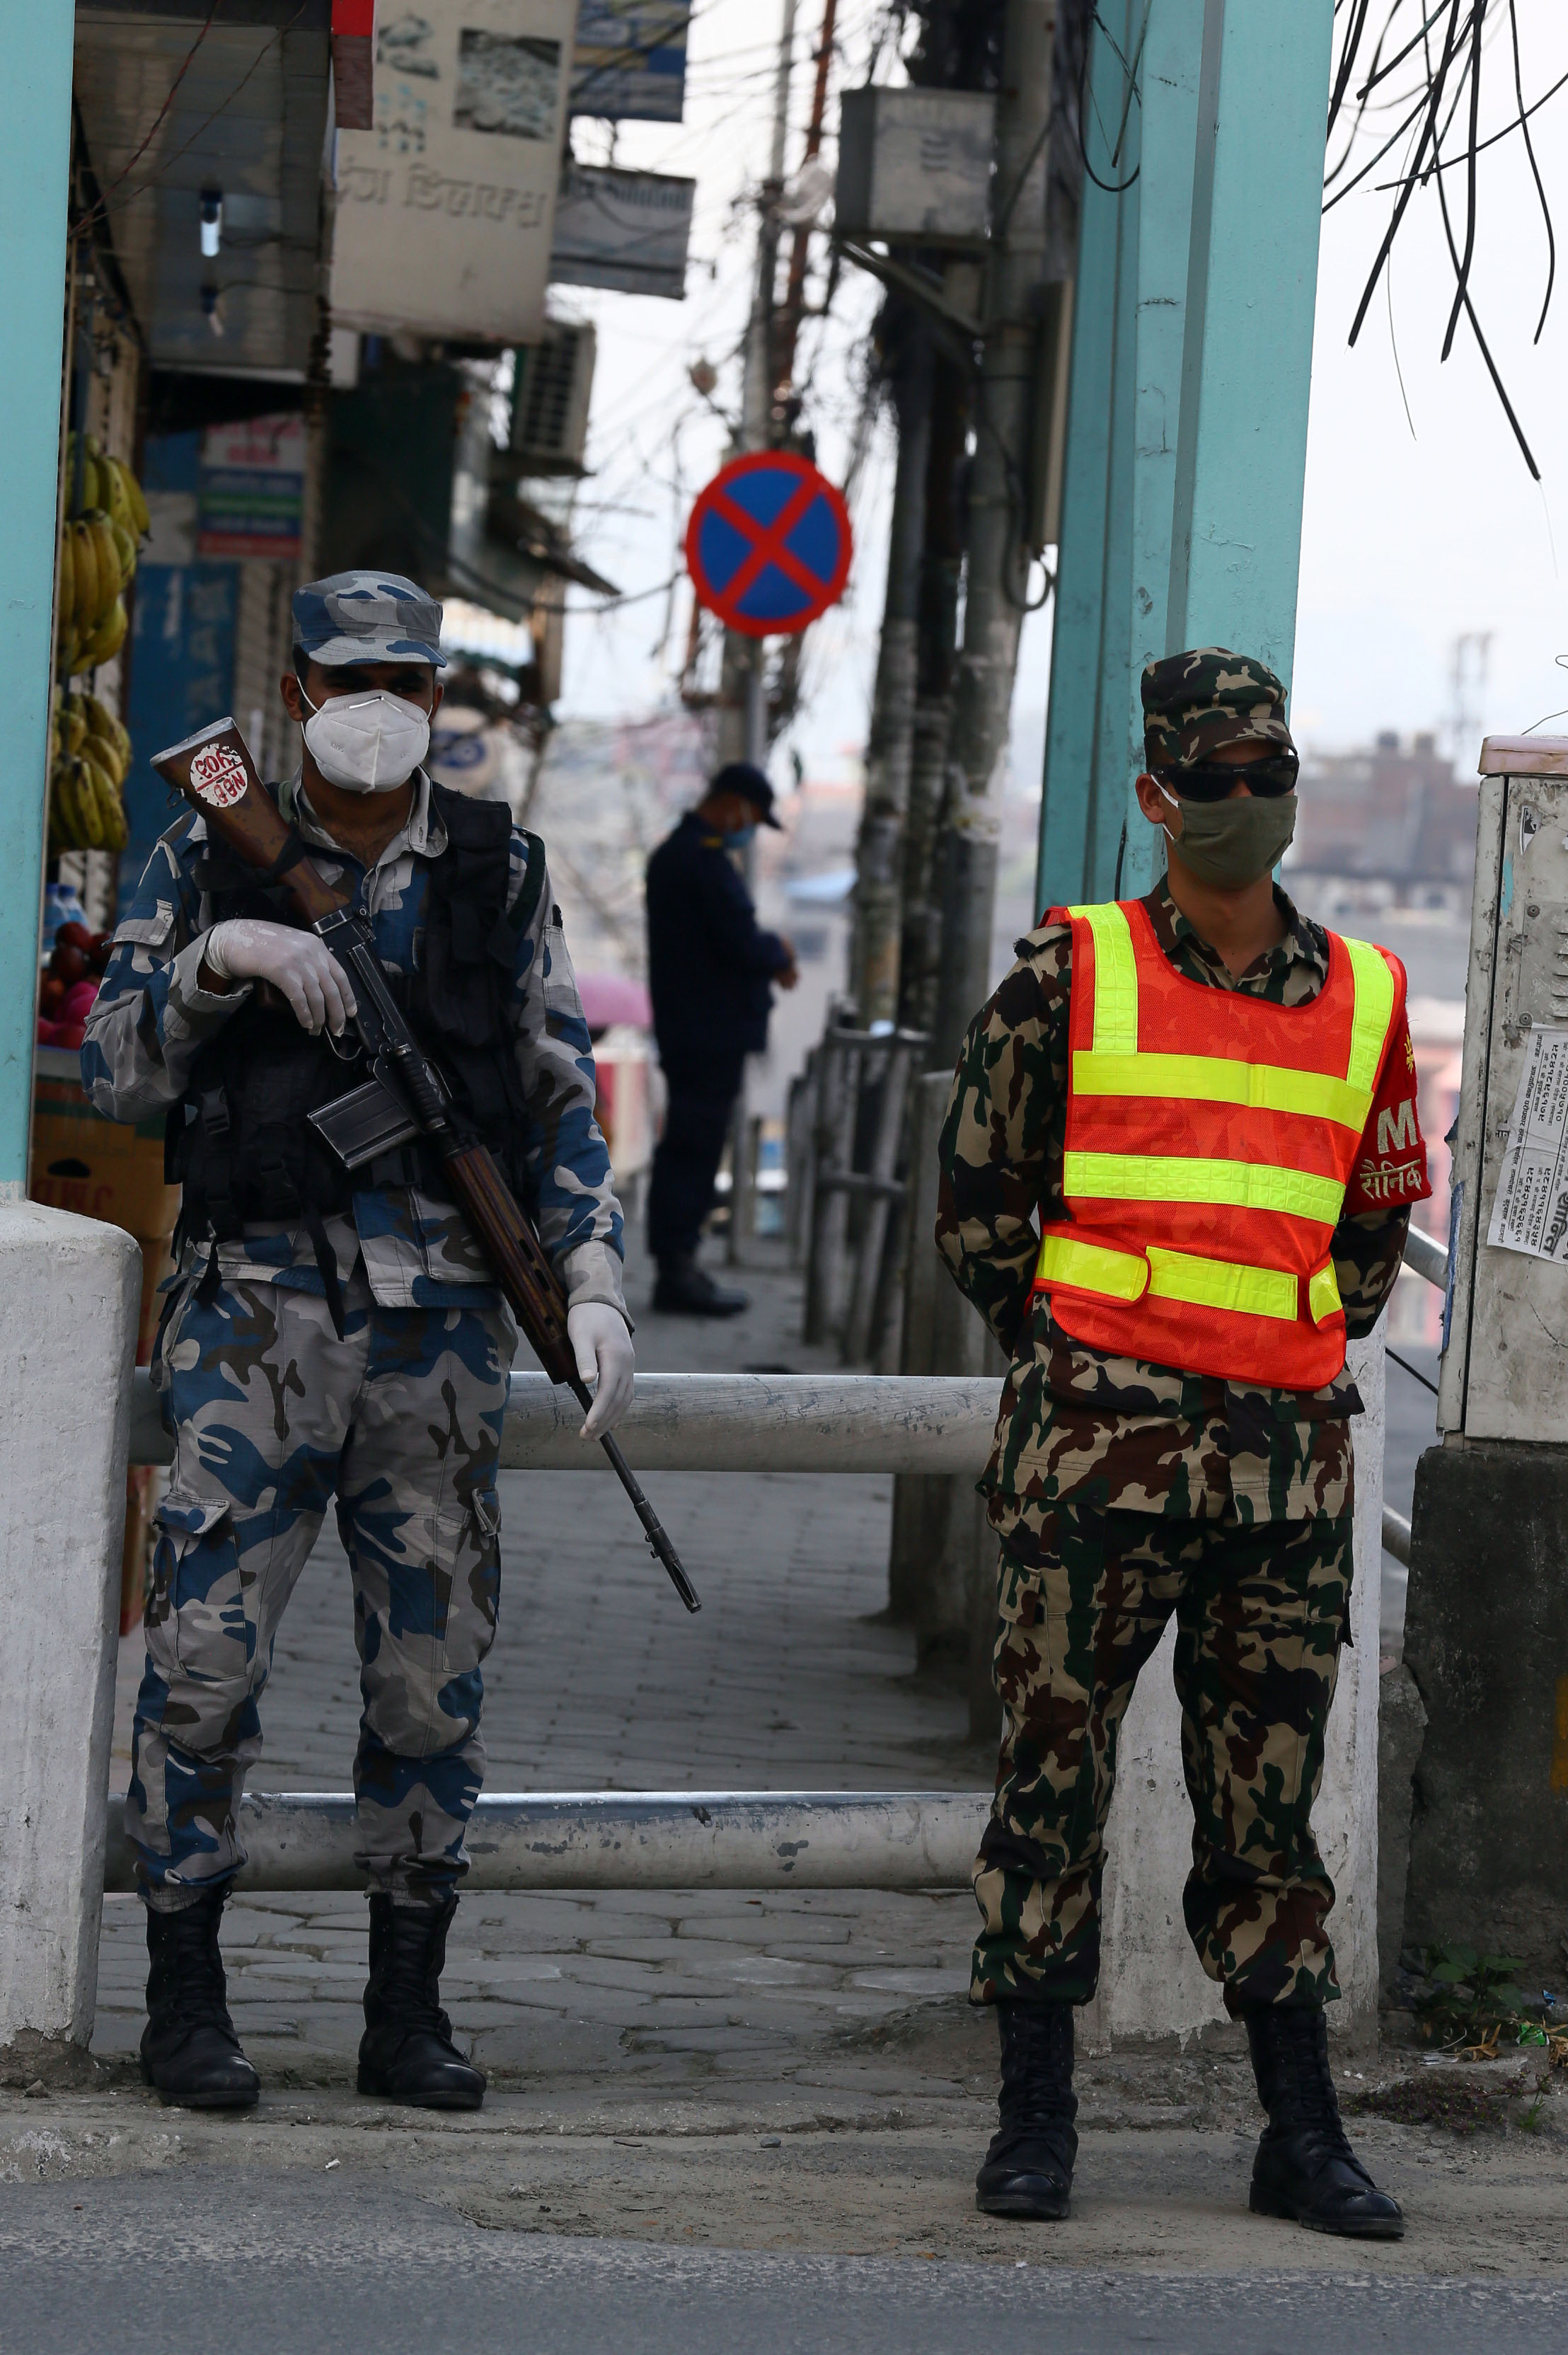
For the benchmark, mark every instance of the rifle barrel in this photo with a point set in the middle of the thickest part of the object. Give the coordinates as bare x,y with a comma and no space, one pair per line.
652,1528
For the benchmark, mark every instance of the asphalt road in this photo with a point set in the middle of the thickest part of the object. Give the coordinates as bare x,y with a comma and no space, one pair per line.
268,2265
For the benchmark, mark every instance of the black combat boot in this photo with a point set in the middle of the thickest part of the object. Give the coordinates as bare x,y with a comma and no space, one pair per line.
1304,2167
190,2053
683,1289
1029,2167
406,2054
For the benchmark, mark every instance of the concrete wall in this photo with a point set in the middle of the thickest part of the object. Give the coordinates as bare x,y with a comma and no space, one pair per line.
1486,1639
69,1290
1153,1984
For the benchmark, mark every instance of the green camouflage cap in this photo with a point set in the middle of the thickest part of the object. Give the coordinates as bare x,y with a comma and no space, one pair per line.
1197,701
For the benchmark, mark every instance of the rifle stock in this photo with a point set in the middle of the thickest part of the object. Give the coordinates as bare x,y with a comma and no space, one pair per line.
215,772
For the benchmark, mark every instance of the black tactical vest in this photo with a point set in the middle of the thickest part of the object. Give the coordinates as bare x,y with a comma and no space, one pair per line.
239,1141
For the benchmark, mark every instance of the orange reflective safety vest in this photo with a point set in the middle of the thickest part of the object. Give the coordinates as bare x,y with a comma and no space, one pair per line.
1211,1136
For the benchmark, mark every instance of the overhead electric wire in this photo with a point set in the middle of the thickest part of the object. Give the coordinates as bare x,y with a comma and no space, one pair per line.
1524,114
1441,114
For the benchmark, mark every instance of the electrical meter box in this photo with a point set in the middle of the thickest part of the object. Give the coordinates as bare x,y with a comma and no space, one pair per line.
1505,1365
914,165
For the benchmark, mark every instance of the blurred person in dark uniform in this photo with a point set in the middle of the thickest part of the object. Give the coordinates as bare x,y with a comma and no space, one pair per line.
711,973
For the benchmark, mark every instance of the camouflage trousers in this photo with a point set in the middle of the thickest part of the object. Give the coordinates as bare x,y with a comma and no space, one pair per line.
1260,1613
272,1415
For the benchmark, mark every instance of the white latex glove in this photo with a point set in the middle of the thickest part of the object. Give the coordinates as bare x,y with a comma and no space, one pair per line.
248,949
605,1360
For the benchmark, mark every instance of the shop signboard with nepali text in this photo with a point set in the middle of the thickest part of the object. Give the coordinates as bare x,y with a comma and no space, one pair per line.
444,210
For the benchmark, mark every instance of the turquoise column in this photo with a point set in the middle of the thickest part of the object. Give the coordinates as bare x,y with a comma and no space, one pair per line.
1167,84
34,167
1235,553
1191,365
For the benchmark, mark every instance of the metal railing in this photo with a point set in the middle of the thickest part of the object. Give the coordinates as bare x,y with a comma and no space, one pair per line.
1424,1255
850,1137
630,1840
726,1423
731,1840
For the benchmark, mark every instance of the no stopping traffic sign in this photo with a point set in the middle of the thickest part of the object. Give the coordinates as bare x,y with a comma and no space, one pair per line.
768,545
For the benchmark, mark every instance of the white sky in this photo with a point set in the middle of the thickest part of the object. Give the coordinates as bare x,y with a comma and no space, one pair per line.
1407,542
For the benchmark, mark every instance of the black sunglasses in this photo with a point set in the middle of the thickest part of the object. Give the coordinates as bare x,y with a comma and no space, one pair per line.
1215,781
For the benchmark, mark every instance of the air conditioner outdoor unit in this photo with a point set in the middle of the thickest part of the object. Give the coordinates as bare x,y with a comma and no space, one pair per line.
550,402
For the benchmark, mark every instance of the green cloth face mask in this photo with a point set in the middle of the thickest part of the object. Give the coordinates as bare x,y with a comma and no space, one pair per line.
1230,844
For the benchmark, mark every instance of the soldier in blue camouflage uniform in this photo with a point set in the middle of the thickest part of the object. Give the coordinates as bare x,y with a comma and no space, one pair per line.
1124,1493
327,1337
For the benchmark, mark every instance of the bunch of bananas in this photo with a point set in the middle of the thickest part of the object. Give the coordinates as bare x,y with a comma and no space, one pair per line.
91,756
98,556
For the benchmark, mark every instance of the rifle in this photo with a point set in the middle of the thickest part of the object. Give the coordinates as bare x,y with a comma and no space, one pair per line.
406,1096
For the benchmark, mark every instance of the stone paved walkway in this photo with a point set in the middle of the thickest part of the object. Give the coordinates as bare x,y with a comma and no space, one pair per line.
788,1679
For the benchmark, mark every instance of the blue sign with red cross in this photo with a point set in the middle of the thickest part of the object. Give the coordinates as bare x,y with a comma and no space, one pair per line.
768,546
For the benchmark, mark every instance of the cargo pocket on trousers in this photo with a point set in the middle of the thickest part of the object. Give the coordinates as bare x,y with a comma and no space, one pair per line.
1019,1655
475,1588
195,1617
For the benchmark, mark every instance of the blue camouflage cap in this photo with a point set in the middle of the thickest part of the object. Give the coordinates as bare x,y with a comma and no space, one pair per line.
366,617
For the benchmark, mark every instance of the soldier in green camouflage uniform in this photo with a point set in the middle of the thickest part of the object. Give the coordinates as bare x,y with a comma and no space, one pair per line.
1123,1492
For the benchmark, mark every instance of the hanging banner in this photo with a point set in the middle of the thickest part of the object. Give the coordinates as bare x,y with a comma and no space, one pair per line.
622,230
444,210
630,60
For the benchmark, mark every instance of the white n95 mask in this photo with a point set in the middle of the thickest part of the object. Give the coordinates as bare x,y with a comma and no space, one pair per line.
369,743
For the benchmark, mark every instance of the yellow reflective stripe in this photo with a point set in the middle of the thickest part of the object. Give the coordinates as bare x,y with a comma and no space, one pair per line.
1115,978
1222,1284
1214,1079
1168,1275
1177,1177
1374,1010
1090,1267
1323,1294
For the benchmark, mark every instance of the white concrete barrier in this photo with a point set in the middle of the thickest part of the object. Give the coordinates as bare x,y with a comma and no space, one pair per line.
69,1290
633,1839
729,1422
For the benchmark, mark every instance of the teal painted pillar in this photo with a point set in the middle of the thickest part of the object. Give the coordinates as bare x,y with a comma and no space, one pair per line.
1185,453
1235,553
34,167
1169,88
1119,480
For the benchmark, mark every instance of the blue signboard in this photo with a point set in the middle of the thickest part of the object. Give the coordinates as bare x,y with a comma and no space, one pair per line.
629,63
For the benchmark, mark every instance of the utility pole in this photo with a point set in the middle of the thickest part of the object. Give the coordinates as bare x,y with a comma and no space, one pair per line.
890,750
742,706
936,657
800,247
997,550
742,697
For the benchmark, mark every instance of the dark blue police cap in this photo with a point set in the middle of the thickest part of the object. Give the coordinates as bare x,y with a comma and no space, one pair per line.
744,778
